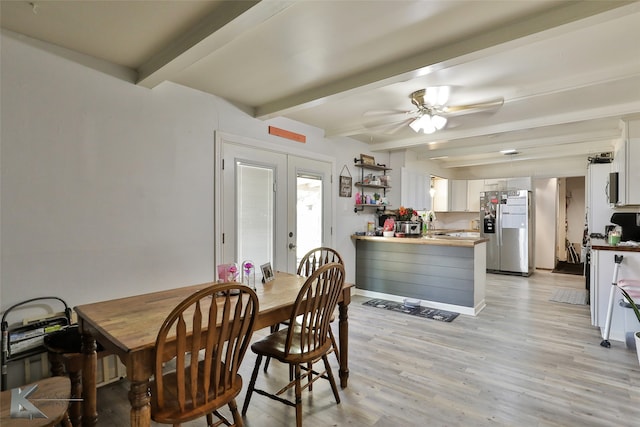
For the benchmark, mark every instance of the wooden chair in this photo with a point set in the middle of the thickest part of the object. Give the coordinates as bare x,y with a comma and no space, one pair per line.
306,341
64,350
316,258
309,263
207,336
51,398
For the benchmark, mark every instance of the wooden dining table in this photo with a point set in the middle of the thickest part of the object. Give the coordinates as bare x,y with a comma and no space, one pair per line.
127,327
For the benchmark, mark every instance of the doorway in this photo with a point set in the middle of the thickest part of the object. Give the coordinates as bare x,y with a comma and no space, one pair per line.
273,206
570,225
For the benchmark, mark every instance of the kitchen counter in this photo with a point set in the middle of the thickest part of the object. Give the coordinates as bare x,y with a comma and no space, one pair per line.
427,240
602,245
444,272
601,273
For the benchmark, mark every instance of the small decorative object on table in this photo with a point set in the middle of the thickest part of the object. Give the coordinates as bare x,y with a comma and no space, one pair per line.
267,272
249,274
228,272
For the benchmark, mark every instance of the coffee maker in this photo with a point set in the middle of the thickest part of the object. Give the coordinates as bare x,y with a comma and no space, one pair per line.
629,223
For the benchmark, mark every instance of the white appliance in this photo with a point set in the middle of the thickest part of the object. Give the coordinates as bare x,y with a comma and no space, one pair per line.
598,209
506,220
598,212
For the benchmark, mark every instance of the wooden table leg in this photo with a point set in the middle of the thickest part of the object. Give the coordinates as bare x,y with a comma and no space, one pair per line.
140,404
89,391
343,330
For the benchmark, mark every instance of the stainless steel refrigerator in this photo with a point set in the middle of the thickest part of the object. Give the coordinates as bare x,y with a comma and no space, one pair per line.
506,220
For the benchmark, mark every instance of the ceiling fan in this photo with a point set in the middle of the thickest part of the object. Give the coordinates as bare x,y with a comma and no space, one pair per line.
432,110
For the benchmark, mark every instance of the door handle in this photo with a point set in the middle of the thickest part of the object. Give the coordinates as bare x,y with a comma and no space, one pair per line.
292,246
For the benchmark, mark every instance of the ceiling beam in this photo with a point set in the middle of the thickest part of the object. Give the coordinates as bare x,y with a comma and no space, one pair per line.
581,149
229,20
469,148
461,51
514,126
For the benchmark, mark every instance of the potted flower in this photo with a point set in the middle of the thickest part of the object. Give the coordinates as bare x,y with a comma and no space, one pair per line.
636,310
408,222
406,214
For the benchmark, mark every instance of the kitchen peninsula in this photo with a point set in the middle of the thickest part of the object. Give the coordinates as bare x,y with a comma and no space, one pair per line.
444,272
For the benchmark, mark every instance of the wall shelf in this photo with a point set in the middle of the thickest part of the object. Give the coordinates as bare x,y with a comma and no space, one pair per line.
366,186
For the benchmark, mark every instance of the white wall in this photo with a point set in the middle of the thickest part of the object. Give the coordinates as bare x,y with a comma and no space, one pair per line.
546,196
107,188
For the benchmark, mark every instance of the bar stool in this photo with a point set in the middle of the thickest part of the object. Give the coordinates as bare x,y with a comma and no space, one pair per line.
54,393
65,356
630,286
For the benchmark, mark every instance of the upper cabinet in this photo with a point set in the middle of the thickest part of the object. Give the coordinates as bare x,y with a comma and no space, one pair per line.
626,162
440,187
464,195
458,195
474,187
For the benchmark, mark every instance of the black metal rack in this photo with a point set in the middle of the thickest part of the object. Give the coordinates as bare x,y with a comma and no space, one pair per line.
366,186
26,340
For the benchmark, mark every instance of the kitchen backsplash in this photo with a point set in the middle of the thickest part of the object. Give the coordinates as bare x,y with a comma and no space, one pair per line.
456,220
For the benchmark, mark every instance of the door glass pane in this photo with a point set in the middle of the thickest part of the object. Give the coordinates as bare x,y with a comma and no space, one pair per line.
308,214
255,213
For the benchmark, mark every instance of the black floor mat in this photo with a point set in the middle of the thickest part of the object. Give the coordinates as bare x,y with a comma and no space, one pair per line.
569,268
427,312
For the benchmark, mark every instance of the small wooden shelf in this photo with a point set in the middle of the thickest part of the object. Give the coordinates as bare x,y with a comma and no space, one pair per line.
372,167
370,187
361,185
360,207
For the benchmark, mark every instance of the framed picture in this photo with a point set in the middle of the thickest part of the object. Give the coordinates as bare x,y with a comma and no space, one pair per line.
345,186
367,160
267,272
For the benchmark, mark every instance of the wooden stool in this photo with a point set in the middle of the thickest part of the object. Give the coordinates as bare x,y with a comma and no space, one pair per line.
65,357
56,410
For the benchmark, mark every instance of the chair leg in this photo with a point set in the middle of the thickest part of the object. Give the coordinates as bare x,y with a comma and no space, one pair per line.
274,328
332,380
298,396
237,419
252,384
334,344
66,422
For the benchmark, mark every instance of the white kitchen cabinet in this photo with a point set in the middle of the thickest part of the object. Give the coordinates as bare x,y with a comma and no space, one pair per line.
495,184
474,187
458,195
441,196
627,163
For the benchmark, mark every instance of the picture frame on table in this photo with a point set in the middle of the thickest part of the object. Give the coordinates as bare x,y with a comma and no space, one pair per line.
267,272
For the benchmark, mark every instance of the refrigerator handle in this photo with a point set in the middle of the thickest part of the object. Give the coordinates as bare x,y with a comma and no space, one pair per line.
499,223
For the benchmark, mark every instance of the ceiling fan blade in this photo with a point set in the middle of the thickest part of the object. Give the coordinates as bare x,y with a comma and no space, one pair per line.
485,106
377,118
397,127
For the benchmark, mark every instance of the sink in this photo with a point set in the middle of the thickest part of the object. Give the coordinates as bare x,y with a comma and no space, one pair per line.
465,234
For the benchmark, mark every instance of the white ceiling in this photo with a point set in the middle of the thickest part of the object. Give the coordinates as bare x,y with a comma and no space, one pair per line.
567,70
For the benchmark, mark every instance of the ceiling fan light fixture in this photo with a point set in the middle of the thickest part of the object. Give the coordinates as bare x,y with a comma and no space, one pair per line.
423,123
438,122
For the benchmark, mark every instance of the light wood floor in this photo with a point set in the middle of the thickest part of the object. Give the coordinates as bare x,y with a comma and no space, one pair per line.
523,361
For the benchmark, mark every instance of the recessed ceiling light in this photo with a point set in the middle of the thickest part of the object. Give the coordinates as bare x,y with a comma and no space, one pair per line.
509,151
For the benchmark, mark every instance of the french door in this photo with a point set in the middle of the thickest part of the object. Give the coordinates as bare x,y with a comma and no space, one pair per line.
274,206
